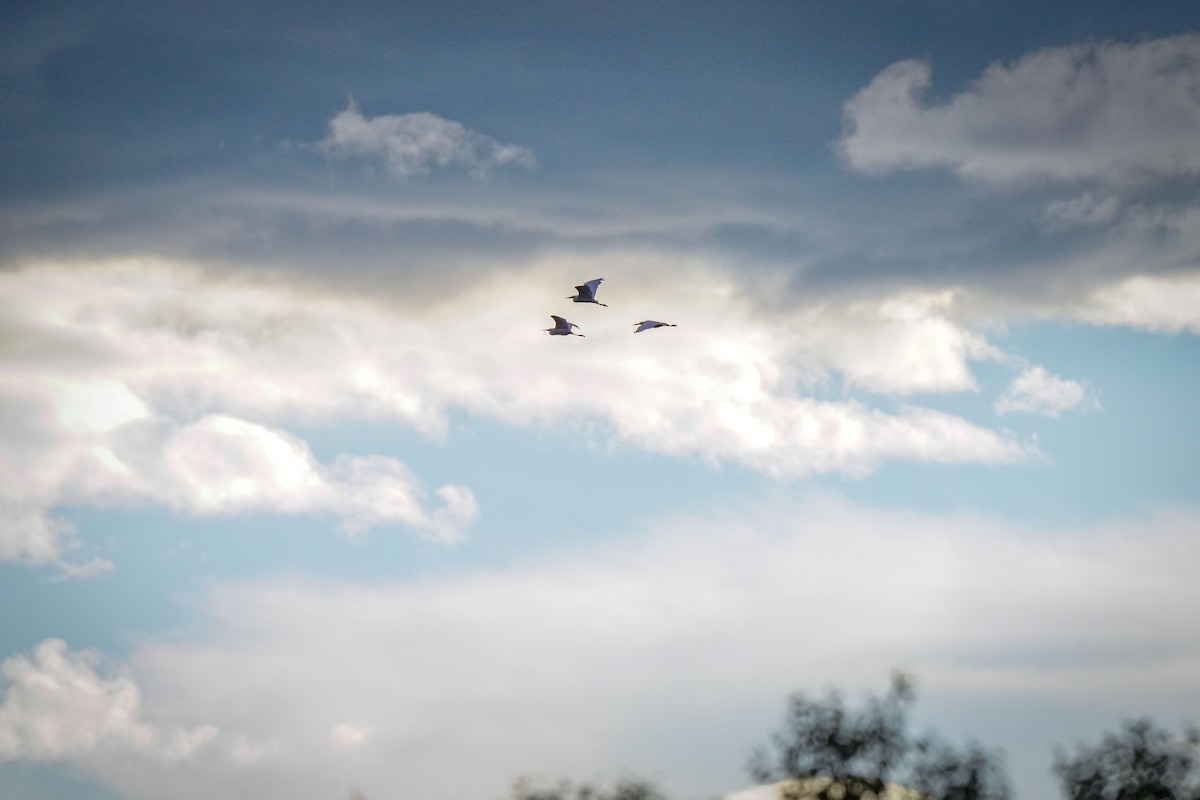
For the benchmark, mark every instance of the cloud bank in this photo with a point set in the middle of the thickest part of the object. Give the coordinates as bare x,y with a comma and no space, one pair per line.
138,381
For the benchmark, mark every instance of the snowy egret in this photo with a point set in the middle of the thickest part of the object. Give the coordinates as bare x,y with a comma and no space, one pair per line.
562,327
586,293
647,324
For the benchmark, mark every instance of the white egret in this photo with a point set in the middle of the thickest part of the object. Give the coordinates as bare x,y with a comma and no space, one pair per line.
562,327
647,324
586,293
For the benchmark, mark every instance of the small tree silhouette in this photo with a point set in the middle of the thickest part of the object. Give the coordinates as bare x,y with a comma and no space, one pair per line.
1140,762
627,789
941,771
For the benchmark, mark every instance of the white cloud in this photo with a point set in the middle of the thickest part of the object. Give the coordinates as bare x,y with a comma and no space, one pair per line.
216,465
57,706
148,382
1036,391
1104,110
669,653
413,144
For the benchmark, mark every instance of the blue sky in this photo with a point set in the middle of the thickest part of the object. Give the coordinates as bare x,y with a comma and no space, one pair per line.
299,500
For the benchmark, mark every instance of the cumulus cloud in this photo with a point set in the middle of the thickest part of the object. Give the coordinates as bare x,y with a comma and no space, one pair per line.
416,143
669,653
1036,391
905,344
1097,110
144,396
224,465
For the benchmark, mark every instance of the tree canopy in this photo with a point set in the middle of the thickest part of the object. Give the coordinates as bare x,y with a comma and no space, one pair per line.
860,752
828,750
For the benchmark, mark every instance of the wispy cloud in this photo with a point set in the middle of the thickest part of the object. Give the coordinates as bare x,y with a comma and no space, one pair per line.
416,143
1097,110
1085,211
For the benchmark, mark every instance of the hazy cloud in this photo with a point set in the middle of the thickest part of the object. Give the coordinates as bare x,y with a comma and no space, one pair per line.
1096,110
595,660
414,144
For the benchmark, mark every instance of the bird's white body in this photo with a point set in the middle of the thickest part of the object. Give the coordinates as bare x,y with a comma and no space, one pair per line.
586,292
647,324
562,327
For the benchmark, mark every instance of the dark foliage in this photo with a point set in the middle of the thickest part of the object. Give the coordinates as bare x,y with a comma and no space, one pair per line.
1140,762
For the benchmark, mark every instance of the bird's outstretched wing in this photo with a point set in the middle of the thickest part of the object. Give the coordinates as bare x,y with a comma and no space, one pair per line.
559,322
588,290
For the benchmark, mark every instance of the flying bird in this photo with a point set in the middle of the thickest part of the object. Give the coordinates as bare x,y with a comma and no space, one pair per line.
647,324
562,327
586,293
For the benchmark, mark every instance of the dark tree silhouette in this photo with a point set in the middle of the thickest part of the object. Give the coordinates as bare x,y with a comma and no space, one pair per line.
1141,762
837,753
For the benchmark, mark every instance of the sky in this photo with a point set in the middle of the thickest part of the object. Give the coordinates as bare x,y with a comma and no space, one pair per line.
299,500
